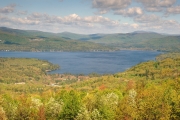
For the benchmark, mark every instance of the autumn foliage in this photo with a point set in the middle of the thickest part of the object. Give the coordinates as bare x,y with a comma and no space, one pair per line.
147,91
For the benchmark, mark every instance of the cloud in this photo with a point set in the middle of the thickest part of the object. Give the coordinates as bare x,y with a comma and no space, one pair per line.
100,20
73,19
17,21
166,26
130,12
127,27
166,3
98,23
135,25
156,23
8,9
42,18
22,13
156,5
70,19
106,5
24,21
89,24
173,10
147,18
154,20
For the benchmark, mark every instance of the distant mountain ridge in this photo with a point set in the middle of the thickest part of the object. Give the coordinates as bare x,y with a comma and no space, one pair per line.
32,40
141,40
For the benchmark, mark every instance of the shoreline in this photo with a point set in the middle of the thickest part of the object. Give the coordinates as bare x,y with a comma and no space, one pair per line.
114,59
123,49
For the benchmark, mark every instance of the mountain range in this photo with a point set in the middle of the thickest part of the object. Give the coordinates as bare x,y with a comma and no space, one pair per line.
32,40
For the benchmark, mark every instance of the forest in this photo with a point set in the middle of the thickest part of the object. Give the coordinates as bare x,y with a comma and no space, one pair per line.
147,91
35,41
31,40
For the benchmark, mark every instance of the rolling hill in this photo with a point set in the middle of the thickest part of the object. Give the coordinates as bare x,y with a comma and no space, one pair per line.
140,40
31,40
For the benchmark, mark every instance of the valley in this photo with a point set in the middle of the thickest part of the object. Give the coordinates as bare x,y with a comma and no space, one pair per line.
139,92
148,90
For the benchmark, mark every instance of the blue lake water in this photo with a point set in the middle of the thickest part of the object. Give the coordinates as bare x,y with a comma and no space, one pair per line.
89,62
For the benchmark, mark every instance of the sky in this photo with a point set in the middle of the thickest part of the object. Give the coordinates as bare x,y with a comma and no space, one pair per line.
92,16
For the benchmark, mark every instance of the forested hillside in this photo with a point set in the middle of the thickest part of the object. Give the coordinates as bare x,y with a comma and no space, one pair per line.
29,40
147,91
142,41
21,40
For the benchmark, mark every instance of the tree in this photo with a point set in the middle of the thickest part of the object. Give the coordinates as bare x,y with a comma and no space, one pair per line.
2,114
53,108
9,105
83,114
72,105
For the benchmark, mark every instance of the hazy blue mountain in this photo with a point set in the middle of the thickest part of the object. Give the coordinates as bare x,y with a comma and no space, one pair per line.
144,40
31,40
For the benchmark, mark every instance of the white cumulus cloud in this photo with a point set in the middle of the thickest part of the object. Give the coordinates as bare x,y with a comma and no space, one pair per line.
173,10
156,5
147,18
106,5
130,12
157,24
17,21
8,9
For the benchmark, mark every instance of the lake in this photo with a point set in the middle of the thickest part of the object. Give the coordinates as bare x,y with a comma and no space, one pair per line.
89,62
